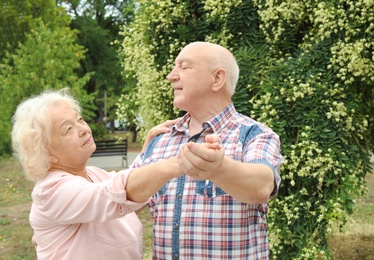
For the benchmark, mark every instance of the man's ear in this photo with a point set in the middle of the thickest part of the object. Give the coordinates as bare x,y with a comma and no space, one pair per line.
219,78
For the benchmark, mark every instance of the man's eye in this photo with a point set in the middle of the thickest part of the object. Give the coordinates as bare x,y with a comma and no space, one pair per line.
184,65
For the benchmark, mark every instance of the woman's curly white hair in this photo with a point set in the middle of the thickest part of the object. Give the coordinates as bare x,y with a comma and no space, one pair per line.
31,133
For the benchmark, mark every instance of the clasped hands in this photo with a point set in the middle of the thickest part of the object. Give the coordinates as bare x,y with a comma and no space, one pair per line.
202,161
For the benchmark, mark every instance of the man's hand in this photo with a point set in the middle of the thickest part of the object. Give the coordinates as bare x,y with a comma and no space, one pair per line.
202,161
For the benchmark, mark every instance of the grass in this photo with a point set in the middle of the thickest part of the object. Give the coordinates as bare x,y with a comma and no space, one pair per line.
146,219
15,233
15,201
357,240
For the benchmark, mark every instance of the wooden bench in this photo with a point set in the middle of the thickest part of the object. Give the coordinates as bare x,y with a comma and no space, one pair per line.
111,148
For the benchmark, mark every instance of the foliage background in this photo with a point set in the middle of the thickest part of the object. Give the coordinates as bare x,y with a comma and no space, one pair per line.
307,71
46,59
50,44
98,24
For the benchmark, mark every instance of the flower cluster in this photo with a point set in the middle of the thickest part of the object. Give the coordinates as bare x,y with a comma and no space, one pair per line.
277,16
353,60
268,113
139,62
219,9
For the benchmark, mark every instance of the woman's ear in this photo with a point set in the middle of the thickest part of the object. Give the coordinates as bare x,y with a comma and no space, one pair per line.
219,78
53,159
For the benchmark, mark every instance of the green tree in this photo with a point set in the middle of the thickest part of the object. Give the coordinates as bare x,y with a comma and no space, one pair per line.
307,71
18,17
46,60
98,23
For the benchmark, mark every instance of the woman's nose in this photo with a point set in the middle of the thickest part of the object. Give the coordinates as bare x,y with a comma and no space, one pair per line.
84,129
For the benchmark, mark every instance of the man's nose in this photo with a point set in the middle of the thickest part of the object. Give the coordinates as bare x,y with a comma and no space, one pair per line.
173,76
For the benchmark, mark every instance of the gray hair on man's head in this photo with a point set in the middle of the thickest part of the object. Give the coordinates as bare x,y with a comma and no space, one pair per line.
221,57
226,60
32,128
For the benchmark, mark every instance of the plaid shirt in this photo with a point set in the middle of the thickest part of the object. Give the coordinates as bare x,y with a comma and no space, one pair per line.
198,220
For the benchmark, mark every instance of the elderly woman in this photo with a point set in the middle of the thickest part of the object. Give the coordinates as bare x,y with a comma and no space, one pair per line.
79,211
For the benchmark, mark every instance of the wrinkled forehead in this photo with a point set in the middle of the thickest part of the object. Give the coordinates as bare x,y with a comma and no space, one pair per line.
60,110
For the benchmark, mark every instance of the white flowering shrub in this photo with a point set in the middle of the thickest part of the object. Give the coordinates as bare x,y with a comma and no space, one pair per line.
307,71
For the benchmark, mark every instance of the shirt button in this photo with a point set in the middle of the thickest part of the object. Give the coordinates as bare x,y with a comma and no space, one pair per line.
179,196
176,226
176,257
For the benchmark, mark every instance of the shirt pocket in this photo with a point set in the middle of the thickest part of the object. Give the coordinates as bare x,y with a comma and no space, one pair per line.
208,189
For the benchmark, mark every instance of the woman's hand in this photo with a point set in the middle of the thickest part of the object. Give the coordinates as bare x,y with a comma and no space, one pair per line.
157,130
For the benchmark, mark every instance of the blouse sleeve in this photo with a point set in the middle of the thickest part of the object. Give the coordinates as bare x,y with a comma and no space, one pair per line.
69,199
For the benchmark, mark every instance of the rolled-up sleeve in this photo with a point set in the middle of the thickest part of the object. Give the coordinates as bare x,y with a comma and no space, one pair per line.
263,146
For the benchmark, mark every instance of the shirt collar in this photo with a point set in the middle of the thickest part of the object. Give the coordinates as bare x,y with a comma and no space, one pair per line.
217,123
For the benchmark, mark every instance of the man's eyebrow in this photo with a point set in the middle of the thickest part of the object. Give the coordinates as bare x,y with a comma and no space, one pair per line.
188,60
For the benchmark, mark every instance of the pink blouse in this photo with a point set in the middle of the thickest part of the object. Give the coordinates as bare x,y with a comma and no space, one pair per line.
76,219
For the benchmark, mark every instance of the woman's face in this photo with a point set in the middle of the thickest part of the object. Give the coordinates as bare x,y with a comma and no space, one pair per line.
71,139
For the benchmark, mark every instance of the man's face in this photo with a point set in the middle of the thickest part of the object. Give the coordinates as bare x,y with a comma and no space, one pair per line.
191,77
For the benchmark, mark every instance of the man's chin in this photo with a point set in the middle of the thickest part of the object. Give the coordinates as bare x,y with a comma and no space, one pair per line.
179,105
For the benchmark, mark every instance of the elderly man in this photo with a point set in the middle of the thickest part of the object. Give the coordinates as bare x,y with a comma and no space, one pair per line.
217,209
